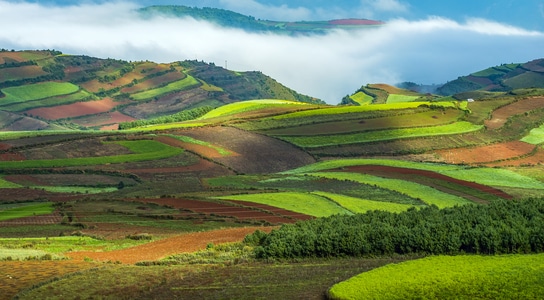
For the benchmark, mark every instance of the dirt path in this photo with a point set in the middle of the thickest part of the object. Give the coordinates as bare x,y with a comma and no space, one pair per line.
189,242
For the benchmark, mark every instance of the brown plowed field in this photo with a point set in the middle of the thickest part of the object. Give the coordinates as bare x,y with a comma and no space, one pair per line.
111,119
198,149
536,159
485,154
75,110
501,115
275,216
54,218
11,157
258,153
430,174
189,242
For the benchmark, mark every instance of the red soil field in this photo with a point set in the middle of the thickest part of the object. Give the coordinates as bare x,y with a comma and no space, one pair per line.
429,174
500,116
189,242
355,22
154,82
75,110
536,159
274,216
111,120
11,157
4,146
486,154
54,218
198,149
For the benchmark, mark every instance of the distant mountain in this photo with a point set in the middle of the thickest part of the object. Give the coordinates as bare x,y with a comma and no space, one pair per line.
232,19
50,90
503,78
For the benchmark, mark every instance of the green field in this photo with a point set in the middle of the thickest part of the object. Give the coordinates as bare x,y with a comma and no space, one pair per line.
36,91
32,209
427,194
305,203
357,205
143,150
59,245
382,135
362,98
535,137
81,95
249,105
450,277
397,98
179,85
4,184
187,139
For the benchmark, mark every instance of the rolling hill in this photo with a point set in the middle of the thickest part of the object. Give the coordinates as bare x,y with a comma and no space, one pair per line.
206,156
50,90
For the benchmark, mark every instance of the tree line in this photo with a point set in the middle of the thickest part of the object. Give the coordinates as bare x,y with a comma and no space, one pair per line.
503,227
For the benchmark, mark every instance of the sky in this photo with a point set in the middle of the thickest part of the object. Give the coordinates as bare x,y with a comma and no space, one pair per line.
423,41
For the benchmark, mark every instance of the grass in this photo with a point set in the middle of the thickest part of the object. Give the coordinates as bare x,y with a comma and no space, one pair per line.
26,254
36,91
357,205
382,135
179,85
4,184
305,203
50,102
450,277
29,210
427,194
144,150
59,245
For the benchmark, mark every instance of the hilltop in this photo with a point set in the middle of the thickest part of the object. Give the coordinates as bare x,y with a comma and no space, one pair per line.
232,19
50,90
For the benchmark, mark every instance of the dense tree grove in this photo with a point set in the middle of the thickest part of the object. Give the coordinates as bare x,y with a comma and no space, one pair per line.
183,115
499,228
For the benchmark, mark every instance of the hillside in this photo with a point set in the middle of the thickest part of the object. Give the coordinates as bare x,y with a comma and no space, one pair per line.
50,90
235,20
503,78
203,186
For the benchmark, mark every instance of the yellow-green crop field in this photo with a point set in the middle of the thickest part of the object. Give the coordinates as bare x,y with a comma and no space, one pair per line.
450,277
36,91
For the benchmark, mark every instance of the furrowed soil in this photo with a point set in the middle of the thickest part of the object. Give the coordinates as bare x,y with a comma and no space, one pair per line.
501,115
75,110
486,154
156,250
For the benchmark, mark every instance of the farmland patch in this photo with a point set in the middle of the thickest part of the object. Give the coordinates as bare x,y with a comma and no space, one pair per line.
501,115
75,109
9,74
36,91
183,84
485,154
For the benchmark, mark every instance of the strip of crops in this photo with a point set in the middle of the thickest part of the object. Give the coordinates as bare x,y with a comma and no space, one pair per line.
415,119
305,203
427,194
362,98
76,189
357,205
397,98
25,254
450,277
364,108
187,139
68,243
250,105
49,102
36,91
485,176
27,211
143,150
179,85
4,184
382,135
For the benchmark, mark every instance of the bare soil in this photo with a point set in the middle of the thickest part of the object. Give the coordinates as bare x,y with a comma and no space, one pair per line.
189,242
501,115
486,154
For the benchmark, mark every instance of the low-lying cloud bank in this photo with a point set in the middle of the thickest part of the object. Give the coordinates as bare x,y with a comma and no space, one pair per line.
432,50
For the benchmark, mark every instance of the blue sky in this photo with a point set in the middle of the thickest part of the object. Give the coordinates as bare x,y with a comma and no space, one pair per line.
423,41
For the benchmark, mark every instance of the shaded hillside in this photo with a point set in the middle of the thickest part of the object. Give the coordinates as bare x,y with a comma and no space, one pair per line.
232,19
49,90
503,78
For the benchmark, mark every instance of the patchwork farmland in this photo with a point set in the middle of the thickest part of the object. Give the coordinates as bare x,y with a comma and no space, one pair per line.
213,176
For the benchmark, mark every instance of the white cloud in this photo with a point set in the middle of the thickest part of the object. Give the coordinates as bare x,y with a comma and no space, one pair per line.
432,50
386,5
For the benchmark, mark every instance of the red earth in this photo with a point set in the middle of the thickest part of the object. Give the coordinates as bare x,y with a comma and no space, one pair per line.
486,154
75,110
156,250
501,115
429,174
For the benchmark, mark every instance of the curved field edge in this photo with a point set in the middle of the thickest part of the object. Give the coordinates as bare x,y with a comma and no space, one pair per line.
143,150
448,277
358,205
382,135
486,176
305,203
425,193
250,105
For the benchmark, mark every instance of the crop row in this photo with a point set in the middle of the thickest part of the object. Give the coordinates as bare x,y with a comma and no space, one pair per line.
185,83
382,135
143,150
